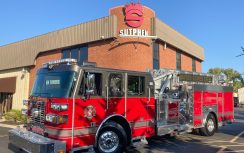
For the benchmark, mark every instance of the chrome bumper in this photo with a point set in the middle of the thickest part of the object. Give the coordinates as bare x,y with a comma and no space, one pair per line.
20,139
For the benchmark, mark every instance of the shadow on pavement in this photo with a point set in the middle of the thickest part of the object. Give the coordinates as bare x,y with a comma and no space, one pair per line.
177,144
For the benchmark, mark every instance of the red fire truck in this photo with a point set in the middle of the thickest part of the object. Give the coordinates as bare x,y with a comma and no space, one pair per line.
74,107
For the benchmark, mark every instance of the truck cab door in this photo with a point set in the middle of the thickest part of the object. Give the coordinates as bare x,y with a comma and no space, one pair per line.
90,103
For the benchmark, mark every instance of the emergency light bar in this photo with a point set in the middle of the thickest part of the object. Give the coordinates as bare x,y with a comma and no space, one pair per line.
61,61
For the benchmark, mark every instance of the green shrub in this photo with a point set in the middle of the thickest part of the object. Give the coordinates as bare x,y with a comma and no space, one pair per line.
16,116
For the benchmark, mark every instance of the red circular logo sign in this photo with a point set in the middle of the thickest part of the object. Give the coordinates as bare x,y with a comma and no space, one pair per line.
90,112
134,15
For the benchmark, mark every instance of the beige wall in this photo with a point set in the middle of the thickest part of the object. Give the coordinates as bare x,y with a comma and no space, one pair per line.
22,86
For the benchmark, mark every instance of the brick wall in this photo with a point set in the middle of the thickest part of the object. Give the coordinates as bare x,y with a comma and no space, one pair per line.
198,66
186,62
42,58
167,57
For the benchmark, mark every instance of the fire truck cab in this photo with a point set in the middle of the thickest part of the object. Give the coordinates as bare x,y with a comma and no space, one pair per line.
74,107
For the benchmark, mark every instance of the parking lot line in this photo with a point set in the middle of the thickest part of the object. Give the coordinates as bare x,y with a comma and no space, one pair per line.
234,145
235,151
223,147
1,136
236,137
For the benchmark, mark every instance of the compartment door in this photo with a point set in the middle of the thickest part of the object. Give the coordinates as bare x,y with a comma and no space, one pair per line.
197,108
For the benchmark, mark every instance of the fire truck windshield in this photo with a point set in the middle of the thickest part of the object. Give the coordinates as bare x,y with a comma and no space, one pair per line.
54,84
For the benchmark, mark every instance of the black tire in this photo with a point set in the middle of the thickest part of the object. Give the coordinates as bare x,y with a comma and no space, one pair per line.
117,131
196,131
169,136
207,130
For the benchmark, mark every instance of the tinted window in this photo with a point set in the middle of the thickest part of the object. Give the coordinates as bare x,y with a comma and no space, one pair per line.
136,85
155,55
98,84
66,54
83,54
115,85
178,60
193,65
75,53
80,53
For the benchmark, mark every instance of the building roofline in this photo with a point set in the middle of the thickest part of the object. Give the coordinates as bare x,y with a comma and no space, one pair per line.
24,52
171,36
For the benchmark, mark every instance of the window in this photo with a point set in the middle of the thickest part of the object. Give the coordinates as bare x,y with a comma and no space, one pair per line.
79,53
193,65
136,85
75,53
66,54
54,84
178,60
155,55
83,55
115,85
97,85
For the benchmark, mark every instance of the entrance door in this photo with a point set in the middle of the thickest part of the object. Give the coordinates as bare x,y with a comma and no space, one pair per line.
5,102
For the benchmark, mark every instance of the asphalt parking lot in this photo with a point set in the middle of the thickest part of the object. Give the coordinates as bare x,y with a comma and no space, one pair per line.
228,139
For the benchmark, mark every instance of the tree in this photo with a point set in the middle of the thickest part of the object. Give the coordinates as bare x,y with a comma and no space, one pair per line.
232,76
215,71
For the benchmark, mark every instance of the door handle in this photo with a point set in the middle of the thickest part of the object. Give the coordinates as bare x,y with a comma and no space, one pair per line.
149,95
107,97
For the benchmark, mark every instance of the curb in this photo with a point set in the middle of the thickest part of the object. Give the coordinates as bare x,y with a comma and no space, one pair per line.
10,126
7,125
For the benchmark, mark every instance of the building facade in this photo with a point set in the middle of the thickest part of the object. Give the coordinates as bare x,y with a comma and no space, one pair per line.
241,97
130,38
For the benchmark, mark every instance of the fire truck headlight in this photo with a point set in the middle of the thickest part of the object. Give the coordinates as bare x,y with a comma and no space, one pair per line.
51,118
56,119
59,107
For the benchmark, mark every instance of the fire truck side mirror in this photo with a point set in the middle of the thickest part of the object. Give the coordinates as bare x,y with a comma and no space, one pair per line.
90,85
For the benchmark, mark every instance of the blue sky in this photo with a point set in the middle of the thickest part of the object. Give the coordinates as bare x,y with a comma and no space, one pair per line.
216,25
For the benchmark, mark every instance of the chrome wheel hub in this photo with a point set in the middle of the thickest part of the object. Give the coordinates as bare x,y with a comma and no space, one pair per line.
108,141
210,125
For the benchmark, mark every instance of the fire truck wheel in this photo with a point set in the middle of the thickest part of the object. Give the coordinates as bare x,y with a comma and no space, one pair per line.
210,126
111,139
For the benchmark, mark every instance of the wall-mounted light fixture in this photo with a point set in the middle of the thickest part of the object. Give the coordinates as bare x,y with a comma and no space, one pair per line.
24,71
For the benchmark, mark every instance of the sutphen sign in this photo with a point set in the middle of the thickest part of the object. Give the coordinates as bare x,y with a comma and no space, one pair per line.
134,15
134,18
133,32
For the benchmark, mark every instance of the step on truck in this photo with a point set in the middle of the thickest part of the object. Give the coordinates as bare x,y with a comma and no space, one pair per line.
73,108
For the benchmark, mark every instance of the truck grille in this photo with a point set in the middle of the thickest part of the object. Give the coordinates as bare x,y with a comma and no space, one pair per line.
37,113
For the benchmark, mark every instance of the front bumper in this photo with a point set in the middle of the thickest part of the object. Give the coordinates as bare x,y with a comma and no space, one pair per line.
21,139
